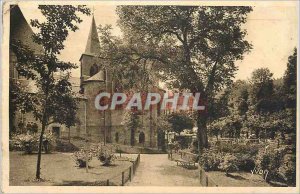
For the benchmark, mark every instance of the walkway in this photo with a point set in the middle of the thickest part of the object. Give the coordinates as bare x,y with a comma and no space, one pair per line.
157,170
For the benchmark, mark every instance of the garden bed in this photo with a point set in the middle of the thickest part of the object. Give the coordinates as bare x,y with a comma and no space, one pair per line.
60,169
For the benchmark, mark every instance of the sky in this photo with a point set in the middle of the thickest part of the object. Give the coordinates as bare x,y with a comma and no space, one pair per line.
273,32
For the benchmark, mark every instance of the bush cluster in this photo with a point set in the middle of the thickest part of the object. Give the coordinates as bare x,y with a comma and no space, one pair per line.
227,162
281,166
81,157
30,142
103,154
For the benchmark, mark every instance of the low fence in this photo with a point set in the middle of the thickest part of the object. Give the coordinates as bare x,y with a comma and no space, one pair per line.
205,180
125,175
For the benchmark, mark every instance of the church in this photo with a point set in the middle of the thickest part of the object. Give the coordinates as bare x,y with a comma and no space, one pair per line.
92,124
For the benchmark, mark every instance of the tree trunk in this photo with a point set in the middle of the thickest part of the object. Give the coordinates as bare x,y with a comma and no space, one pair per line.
202,130
38,166
69,135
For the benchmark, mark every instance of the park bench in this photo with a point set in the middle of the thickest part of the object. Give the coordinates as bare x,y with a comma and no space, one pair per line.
186,159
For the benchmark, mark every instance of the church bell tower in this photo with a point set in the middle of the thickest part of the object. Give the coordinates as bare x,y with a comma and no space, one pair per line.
90,64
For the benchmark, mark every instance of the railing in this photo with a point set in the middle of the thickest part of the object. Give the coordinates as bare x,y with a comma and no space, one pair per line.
125,176
205,180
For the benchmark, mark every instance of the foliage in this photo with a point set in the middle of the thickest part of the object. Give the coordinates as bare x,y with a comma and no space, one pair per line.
290,170
272,162
106,158
220,105
32,127
239,95
131,122
193,48
210,161
19,100
26,142
229,164
180,121
81,157
229,126
29,142
245,161
262,90
130,71
219,157
237,148
54,101
173,145
164,124
290,81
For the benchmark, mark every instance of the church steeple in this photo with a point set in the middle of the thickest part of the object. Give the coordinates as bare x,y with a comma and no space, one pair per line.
93,43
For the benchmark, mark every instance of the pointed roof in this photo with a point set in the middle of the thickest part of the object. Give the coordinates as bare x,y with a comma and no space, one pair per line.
93,43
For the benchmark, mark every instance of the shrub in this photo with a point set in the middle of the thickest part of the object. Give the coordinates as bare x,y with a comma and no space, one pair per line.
26,142
245,162
106,158
237,148
103,153
30,142
81,157
229,164
289,169
210,161
272,161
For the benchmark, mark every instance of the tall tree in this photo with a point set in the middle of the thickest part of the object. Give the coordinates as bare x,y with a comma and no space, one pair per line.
193,48
54,101
262,90
290,81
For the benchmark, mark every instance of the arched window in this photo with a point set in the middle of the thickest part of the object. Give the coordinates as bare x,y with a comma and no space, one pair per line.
142,137
117,137
93,70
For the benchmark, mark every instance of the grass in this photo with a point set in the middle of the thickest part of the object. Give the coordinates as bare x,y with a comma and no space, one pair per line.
238,179
60,169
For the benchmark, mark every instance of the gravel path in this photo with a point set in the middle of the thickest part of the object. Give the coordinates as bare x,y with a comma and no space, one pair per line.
157,170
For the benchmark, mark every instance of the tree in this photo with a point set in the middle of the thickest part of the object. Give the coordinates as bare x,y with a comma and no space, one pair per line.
220,105
239,97
262,90
193,48
131,122
180,121
290,81
127,70
54,101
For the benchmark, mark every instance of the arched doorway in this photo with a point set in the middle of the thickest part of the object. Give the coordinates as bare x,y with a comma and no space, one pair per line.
161,140
142,138
117,137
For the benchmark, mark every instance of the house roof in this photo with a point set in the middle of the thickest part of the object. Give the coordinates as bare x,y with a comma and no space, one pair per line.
21,30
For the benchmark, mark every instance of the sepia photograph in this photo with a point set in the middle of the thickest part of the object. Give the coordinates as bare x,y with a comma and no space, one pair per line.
149,96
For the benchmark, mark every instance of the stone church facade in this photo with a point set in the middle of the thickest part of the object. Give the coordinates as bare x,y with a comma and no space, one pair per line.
92,124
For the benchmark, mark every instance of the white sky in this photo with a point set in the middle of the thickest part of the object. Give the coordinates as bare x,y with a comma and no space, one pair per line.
273,32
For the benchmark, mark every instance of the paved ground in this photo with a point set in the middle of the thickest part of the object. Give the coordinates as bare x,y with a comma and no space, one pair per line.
157,170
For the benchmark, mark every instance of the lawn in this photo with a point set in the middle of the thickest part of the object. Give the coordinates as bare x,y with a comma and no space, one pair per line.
238,179
60,169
